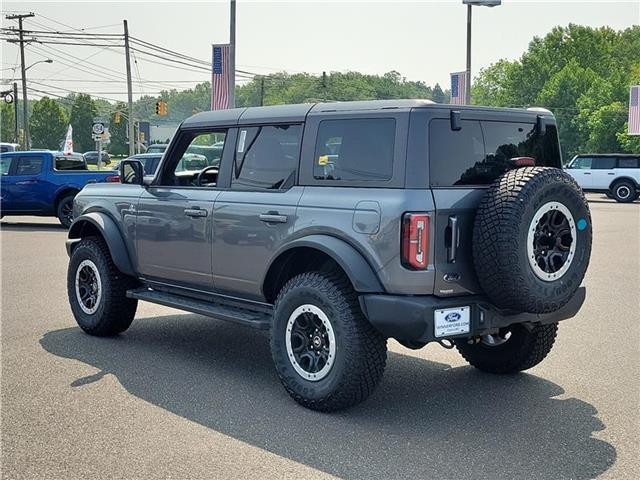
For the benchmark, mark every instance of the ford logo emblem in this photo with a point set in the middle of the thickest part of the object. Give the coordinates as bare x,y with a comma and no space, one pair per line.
452,317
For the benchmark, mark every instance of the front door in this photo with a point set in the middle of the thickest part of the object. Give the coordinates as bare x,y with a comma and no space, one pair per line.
26,185
257,213
174,218
580,169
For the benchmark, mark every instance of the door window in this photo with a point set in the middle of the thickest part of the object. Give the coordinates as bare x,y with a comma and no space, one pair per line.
456,155
195,152
29,165
582,163
355,149
5,164
603,163
266,157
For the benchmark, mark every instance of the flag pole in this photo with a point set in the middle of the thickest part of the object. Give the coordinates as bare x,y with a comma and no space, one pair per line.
232,55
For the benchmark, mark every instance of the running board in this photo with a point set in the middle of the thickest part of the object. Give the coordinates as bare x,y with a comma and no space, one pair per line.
230,313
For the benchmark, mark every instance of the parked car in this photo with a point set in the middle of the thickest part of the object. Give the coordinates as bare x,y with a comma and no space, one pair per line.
337,226
44,183
157,148
92,157
8,147
616,175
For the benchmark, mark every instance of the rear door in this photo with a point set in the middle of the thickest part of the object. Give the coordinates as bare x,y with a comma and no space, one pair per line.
258,212
463,163
603,172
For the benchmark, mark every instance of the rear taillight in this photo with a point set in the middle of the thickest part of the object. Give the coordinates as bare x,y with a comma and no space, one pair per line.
113,179
415,240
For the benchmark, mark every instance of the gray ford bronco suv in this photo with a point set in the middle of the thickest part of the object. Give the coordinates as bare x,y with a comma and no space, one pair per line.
336,226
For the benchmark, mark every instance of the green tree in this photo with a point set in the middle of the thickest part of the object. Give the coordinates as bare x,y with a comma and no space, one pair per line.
83,111
438,95
7,123
48,124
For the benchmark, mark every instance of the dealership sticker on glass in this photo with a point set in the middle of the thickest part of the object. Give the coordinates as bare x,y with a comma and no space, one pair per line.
452,321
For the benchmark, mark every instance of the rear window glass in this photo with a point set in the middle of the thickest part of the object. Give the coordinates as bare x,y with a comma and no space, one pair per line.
629,163
356,149
70,162
481,151
603,163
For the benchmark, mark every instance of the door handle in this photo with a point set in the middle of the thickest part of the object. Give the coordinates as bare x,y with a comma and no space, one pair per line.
272,218
587,173
195,212
26,182
611,173
455,239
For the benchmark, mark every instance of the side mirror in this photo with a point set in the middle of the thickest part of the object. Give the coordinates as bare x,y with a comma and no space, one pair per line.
131,172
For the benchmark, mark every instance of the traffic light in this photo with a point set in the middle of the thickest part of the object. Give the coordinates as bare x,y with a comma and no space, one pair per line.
117,118
161,108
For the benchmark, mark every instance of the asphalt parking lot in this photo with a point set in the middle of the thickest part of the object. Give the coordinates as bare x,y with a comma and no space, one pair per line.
182,396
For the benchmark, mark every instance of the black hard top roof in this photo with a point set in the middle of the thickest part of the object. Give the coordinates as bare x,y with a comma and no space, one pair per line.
299,112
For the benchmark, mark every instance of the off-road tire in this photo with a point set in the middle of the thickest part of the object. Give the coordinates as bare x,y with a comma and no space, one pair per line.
500,238
361,351
619,189
523,350
115,311
64,203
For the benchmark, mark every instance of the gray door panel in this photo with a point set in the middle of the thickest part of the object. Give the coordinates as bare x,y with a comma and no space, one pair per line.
248,227
174,235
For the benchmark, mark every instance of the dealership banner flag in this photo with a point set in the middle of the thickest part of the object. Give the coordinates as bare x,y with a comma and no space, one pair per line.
458,88
220,77
68,142
634,111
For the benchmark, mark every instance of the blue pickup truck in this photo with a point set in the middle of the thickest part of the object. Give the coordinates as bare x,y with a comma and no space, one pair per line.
44,183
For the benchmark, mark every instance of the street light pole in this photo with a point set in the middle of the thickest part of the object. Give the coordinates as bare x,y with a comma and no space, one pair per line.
469,4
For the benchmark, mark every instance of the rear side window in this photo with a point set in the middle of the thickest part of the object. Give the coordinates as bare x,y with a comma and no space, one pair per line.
266,157
629,163
29,165
481,151
355,149
603,163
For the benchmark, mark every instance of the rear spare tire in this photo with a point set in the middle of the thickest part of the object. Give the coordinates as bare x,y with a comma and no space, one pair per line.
532,240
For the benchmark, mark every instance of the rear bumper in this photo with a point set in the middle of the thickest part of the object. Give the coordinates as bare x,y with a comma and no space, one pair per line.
411,318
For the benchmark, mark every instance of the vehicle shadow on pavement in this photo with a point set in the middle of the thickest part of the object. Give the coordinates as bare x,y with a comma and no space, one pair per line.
30,227
426,420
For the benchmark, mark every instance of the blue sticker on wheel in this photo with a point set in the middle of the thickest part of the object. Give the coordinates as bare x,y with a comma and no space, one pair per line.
582,224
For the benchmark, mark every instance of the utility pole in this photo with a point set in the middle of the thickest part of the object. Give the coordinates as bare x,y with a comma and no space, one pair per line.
16,133
324,86
23,67
232,54
132,133
261,91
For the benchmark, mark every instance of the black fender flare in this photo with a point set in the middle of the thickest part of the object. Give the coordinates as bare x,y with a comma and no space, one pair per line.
362,276
111,234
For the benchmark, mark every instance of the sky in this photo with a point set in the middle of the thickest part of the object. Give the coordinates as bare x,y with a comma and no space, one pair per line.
423,40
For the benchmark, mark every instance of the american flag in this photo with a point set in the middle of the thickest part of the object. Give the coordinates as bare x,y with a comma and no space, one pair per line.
220,77
634,111
458,88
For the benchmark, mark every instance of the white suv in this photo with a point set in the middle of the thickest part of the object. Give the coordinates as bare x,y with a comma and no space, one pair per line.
616,175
